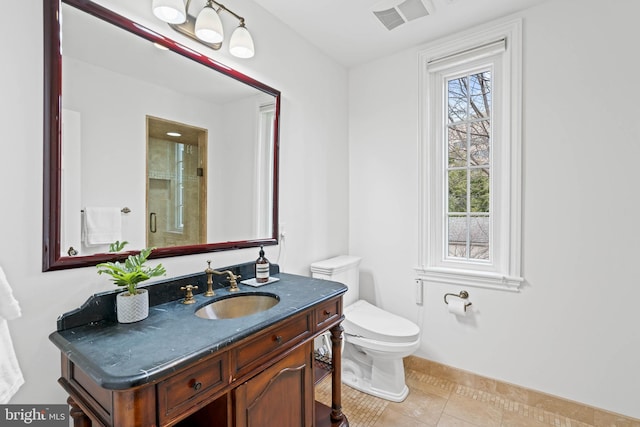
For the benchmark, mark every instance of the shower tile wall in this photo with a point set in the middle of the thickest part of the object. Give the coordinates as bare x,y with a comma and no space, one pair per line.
162,194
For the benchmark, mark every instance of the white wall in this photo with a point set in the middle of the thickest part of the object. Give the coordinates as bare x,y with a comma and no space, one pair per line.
313,200
572,330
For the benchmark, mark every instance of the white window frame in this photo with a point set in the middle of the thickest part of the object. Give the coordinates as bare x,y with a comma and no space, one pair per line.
497,46
264,168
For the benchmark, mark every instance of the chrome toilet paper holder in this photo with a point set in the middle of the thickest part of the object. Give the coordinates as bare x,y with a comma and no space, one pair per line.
462,295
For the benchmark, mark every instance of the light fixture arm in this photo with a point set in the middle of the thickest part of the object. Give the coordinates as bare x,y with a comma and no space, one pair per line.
223,7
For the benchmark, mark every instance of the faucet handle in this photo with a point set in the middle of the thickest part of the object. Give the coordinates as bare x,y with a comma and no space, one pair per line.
188,299
233,283
232,279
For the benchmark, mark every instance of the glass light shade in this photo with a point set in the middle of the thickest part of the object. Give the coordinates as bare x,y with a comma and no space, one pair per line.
209,26
241,43
170,11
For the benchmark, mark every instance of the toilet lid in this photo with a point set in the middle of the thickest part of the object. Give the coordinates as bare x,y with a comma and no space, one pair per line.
368,321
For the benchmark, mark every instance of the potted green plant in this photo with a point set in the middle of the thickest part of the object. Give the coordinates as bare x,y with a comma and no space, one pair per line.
132,304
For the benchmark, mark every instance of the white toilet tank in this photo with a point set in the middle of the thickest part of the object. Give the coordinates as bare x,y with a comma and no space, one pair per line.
344,269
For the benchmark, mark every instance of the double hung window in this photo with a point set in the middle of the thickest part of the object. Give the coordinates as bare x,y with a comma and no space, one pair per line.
470,180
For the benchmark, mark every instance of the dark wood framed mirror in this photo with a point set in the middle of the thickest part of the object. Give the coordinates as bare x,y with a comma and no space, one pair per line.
242,192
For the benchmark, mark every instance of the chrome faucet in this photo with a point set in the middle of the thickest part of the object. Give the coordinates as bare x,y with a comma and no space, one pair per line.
232,279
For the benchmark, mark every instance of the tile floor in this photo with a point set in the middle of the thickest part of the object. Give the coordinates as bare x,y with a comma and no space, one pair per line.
437,402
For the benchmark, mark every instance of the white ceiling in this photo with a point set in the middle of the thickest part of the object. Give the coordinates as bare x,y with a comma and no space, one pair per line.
349,32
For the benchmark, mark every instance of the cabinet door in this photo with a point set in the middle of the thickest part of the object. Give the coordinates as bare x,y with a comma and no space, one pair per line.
281,395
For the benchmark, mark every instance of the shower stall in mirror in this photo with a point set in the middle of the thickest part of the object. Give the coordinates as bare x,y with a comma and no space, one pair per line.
176,184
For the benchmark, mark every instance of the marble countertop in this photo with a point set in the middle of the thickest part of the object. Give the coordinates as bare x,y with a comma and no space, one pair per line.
120,356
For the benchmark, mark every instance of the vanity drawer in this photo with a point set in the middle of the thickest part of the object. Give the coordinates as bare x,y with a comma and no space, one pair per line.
270,342
188,388
328,312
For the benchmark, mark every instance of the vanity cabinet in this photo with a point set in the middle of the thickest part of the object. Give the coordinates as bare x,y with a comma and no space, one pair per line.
265,379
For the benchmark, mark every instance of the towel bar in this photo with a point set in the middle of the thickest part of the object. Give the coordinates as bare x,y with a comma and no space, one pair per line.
124,210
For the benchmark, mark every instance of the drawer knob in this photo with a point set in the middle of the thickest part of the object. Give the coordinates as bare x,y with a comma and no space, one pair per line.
278,339
327,313
197,385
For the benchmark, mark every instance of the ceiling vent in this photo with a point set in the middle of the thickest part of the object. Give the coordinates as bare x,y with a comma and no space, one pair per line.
393,13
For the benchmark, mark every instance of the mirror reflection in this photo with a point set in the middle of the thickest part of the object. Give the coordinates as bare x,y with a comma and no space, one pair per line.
176,184
189,151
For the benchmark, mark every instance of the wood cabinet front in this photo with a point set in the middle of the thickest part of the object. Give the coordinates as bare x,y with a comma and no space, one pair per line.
272,341
281,395
182,391
328,312
266,379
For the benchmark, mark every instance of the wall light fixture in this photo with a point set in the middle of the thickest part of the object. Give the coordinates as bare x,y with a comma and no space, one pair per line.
206,27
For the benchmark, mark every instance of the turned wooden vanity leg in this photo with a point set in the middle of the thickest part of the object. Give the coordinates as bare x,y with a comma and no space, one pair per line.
336,375
80,419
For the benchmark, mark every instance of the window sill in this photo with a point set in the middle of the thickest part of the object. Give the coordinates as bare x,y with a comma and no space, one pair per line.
480,279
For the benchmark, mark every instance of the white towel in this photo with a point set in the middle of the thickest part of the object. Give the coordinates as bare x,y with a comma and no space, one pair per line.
102,225
10,374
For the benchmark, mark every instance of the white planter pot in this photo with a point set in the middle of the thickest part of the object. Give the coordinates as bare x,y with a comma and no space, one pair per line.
132,308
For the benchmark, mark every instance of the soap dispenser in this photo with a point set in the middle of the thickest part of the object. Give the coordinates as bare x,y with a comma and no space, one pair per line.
262,268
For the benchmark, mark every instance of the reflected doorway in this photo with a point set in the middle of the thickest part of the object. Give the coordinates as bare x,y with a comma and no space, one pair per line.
176,183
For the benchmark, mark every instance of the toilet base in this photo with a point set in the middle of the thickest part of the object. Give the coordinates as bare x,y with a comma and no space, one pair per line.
364,385
375,373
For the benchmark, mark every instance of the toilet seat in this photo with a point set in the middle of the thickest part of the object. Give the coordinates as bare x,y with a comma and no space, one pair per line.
372,323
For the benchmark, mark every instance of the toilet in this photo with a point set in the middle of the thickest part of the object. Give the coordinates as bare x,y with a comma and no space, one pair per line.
375,341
